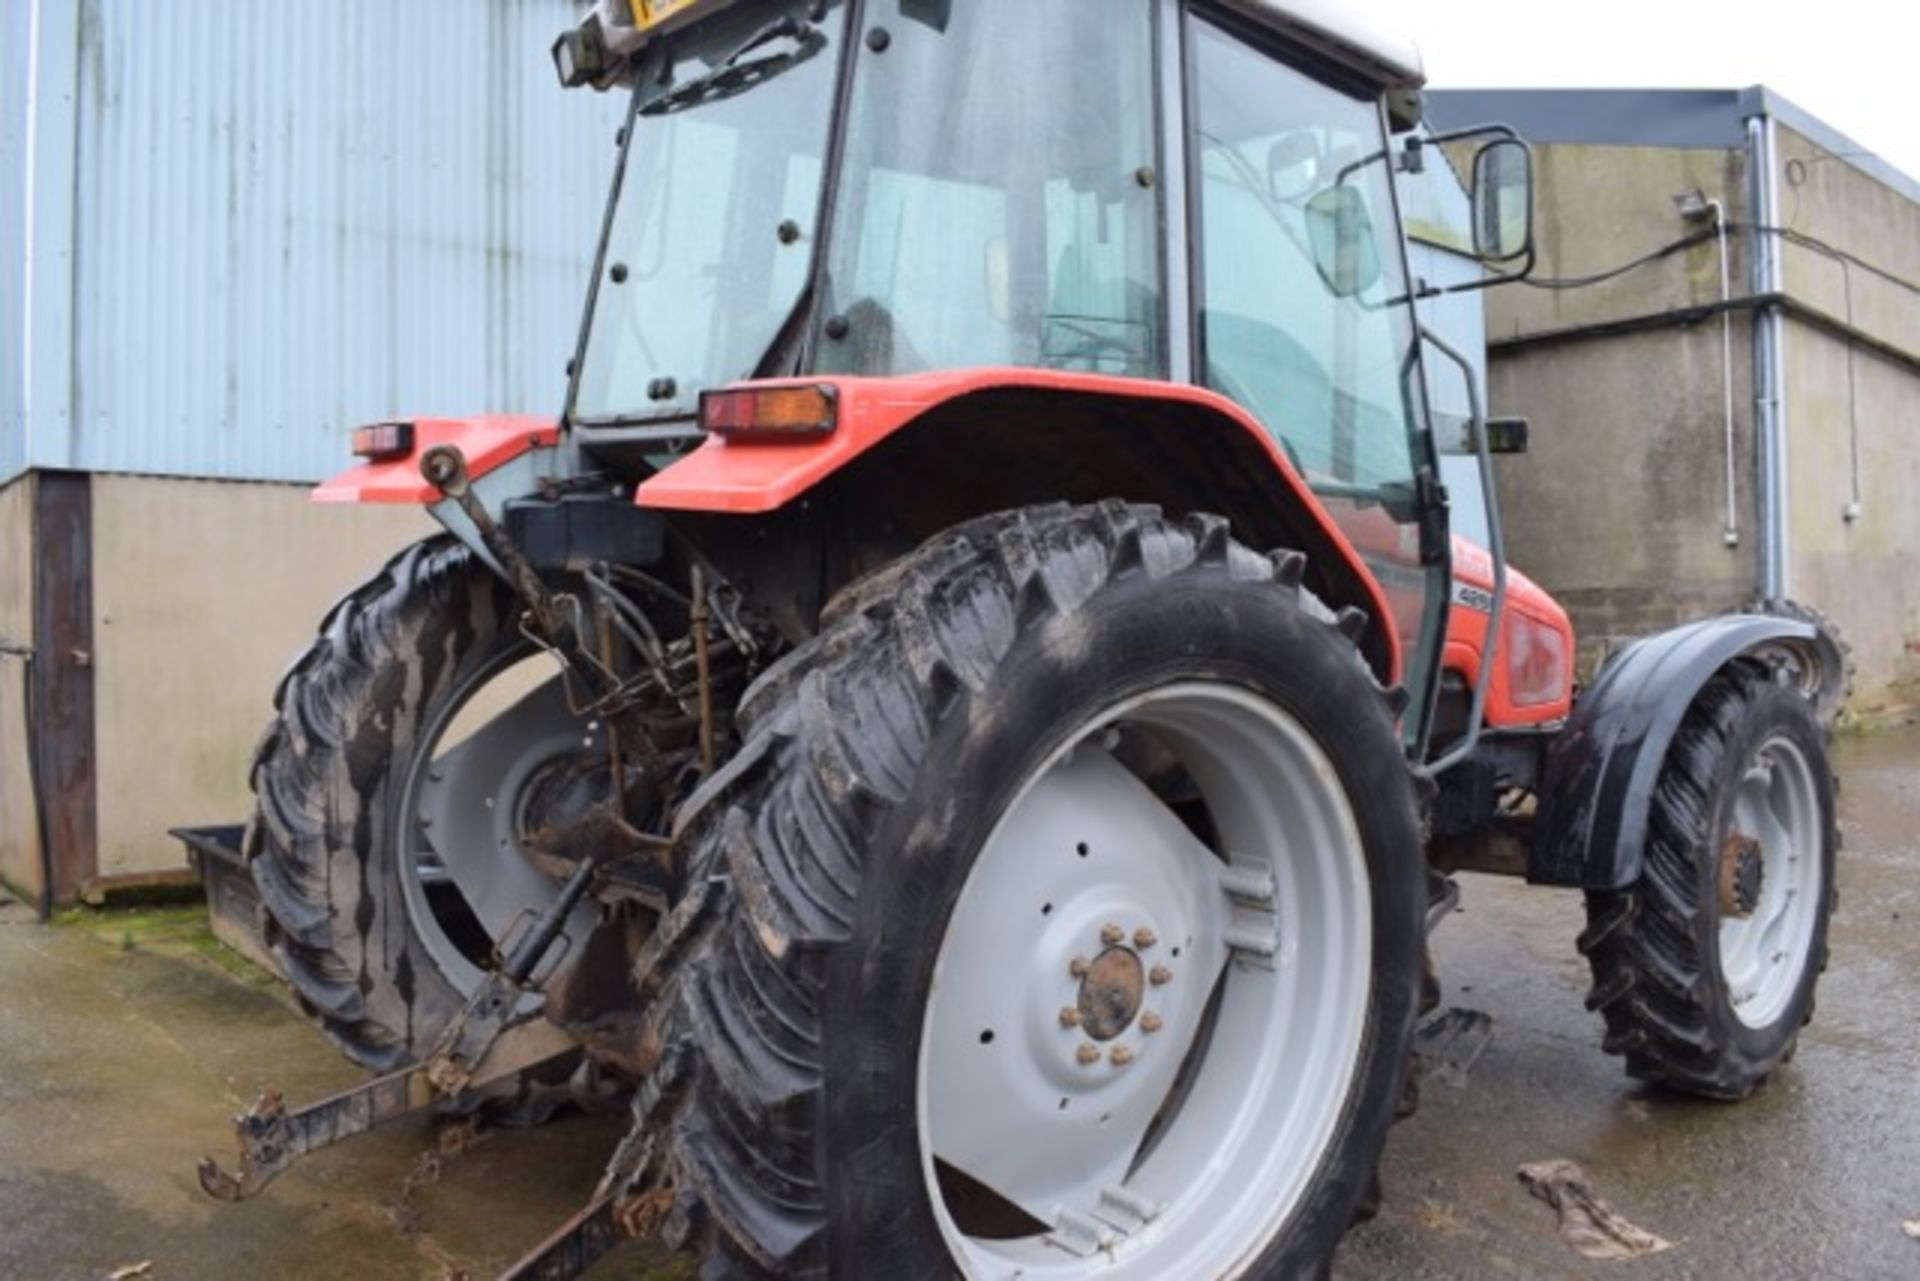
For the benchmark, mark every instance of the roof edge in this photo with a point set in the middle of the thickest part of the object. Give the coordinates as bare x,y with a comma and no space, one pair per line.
1703,118
1343,34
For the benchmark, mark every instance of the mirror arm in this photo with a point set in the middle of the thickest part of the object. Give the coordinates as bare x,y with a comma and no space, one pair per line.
1471,286
1472,131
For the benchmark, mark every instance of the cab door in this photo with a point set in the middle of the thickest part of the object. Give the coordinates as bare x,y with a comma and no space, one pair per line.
1302,305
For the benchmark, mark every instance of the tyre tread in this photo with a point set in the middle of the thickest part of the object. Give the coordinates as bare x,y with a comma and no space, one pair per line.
1652,983
845,719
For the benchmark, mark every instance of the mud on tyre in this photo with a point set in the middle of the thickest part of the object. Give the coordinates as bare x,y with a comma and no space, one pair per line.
351,718
848,838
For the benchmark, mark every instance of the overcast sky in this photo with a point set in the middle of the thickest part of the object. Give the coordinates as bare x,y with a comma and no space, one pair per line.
1848,62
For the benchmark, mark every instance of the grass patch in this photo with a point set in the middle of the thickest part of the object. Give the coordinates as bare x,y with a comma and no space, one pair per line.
177,930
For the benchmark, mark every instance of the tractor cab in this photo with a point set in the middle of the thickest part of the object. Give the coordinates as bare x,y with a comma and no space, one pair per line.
1202,195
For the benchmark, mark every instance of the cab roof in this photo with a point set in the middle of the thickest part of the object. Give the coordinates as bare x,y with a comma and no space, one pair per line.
1343,34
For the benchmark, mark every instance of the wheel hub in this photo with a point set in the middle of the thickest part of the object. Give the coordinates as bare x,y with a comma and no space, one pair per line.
1742,868
1102,988
1110,993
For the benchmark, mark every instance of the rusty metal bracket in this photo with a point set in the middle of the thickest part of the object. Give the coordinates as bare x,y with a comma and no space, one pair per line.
272,1139
481,1045
628,1202
698,617
445,468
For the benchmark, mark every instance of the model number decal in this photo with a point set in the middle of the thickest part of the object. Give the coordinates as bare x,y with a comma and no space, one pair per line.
1473,598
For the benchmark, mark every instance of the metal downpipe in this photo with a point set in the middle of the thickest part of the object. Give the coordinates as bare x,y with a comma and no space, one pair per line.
1731,534
1769,362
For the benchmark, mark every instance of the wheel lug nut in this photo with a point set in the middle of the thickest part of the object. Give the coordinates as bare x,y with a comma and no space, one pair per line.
1111,935
1149,1022
1088,1054
1069,1016
1143,938
1078,967
1159,976
1121,1056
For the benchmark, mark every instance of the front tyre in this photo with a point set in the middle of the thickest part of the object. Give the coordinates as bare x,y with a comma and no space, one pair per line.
1705,967
1073,924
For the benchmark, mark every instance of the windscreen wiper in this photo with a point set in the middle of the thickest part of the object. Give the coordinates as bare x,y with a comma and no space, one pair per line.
735,74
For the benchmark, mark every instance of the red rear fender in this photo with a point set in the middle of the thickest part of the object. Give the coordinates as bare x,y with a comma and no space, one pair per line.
745,476
487,442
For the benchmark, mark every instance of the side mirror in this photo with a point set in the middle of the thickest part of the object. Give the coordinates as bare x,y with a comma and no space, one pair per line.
1340,231
1294,165
1507,435
1502,200
1455,435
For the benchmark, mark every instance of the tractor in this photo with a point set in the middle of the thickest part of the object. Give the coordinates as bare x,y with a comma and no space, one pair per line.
965,722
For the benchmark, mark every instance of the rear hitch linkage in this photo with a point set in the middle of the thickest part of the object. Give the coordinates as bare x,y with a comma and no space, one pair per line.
483,1044
492,1038
499,1032
634,1197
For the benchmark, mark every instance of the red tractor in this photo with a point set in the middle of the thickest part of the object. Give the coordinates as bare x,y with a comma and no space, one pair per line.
968,715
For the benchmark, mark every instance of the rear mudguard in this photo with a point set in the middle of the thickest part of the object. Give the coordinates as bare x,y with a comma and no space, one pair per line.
507,457
750,477
1602,769
488,443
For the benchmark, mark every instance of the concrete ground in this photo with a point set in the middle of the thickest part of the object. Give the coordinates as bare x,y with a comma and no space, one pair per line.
126,1041
1811,1177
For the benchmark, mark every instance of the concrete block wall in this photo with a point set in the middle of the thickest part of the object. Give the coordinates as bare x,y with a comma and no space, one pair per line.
1619,507
1599,206
1853,414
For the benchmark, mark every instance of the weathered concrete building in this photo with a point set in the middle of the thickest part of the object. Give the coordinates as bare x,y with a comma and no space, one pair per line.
229,234
1702,441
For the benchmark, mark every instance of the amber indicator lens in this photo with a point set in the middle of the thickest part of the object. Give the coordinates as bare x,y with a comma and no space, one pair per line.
774,412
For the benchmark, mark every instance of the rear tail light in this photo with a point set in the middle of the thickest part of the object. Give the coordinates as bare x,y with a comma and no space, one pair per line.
771,413
383,441
1537,662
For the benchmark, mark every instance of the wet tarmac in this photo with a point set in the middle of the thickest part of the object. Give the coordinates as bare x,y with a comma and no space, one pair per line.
126,1042
1810,1177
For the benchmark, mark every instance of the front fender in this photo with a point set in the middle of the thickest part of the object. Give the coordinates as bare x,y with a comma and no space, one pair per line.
1601,771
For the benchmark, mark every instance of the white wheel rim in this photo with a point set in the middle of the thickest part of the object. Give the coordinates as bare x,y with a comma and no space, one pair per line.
1278,943
458,821
1764,954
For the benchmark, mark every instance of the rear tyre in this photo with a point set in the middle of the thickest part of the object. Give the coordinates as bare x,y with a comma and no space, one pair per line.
1704,969
373,929
979,835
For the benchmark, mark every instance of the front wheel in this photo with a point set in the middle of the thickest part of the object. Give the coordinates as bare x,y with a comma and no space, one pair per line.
1073,925
1705,967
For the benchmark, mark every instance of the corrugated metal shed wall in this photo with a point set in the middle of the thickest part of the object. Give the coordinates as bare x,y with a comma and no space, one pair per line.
294,218
15,25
